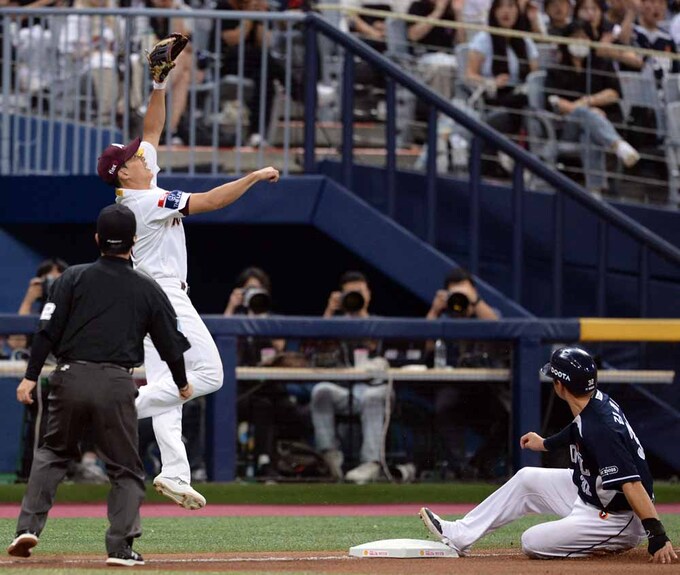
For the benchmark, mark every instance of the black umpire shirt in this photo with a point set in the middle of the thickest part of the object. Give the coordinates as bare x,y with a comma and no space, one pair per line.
101,312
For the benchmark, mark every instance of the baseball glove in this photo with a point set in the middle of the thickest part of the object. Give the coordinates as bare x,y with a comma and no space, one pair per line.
163,55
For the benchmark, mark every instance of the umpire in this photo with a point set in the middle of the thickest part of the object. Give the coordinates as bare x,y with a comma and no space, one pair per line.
95,322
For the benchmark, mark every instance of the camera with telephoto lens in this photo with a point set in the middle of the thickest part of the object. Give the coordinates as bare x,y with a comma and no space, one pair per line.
457,304
257,300
352,301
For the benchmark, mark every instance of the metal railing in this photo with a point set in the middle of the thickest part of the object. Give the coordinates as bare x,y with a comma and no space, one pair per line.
647,241
64,98
527,337
75,79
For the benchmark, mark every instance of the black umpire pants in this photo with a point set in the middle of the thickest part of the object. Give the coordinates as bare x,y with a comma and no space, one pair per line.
103,398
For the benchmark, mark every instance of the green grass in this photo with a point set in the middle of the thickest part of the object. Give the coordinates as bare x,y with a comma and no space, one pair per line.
317,493
268,534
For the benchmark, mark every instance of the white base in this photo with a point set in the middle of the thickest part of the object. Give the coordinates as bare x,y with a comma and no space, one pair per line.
402,549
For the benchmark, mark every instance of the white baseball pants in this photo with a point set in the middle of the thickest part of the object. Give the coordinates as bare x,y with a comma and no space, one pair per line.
160,400
580,532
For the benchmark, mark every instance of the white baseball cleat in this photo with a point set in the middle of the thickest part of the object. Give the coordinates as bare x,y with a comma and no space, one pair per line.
434,525
22,544
179,491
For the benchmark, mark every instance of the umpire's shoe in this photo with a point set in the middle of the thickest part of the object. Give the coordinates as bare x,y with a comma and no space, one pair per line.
22,544
434,525
179,491
125,558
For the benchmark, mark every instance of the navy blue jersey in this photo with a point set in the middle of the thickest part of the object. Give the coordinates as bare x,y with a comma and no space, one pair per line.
606,453
657,40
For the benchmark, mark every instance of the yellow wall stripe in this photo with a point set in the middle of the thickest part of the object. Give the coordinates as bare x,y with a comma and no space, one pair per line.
629,329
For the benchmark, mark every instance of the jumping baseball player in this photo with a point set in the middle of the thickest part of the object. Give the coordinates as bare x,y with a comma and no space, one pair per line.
160,252
605,501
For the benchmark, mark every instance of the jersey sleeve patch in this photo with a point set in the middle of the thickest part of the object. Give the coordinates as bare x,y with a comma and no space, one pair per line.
170,200
47,311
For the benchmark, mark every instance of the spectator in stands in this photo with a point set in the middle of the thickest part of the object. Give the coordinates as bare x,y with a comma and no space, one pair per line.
474,12
622,13
434,44
90,45
588,103
559,14
256,37
530,17
371,29
181,76
14,347
601,30
31,38
271,412
648,34
675,29
352,300
502,64
483,407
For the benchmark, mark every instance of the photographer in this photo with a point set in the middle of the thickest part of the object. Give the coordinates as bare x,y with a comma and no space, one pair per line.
252,296
480,407
39,287
270,411
367,399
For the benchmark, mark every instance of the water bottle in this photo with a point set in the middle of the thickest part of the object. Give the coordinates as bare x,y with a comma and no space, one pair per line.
439,354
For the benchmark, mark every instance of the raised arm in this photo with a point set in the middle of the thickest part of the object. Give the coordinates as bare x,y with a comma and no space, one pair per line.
221,196
154,121
659,546
161,61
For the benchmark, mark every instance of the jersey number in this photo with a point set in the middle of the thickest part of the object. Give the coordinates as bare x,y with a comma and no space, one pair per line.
621,420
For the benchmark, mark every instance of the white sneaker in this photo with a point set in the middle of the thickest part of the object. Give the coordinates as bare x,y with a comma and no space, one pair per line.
179,491
334,459
434,525
22,545
369,471
627,154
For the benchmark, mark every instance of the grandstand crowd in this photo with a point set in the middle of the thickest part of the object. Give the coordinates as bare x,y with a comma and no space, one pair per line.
588,111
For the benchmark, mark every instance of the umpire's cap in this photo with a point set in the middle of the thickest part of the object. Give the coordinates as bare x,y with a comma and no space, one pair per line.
113,158
574,367
116,228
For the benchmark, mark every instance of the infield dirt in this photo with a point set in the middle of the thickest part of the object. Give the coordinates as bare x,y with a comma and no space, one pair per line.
483,562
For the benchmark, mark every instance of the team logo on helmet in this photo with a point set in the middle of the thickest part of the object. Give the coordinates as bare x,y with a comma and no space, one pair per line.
559,374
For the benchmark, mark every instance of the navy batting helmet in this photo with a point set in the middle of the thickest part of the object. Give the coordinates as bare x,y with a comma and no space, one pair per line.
574,367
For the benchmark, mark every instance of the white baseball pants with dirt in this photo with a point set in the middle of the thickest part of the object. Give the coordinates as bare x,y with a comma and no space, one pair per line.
160,399
367,400
580,532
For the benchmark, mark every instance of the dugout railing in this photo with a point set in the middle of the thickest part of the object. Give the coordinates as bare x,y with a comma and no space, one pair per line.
530,340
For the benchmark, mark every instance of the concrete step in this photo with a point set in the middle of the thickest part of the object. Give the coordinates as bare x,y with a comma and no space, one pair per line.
180,158
366,134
